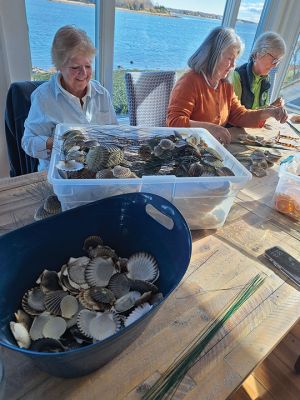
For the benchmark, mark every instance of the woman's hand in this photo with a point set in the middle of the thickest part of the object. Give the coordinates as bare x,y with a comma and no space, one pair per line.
279,113
220,133
49,143
279,102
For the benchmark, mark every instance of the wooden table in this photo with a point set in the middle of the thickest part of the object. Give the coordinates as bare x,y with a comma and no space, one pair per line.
222,262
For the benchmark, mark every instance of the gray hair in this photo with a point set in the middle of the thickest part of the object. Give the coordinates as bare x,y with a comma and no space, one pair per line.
68,42
268,42
207,56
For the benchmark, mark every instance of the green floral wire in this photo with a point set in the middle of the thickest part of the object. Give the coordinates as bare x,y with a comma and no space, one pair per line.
172,377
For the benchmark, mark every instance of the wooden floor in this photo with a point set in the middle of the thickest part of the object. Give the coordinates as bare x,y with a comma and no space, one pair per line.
275,378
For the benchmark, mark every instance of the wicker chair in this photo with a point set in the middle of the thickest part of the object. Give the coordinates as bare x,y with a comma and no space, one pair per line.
18,103
148,96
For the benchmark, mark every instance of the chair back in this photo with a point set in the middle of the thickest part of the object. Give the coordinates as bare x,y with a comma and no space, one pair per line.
18,103
148,96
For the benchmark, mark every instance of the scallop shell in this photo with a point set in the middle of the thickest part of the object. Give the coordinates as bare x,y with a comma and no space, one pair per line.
121,172
167,144
68,306
54,328
102,295
76,155
65,282
142,286
92,242
102,251
89,303
69,166
88,144
99,271
52,204
104,174
142,266
23,318
224,171
36,329
212,161
53,301
33,301
76,272
127,301
84,173
21,334
137,313
213,153
104,156
145,152
84,319
104,325
48,281
196,169
47,345
41,213
73,132
119,284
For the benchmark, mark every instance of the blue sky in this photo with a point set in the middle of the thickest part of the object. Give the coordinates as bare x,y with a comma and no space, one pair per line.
249,9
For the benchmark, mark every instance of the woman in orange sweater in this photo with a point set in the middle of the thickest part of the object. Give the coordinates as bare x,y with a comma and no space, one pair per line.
204,98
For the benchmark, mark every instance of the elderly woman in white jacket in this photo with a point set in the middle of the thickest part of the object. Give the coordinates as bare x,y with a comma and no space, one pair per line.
70,96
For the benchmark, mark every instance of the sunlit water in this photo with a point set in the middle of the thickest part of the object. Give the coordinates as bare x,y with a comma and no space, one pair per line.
142,41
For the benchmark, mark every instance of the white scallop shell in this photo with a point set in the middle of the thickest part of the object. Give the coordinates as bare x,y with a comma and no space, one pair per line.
127,301
21,334
142,266
103,326
137,313
83,321
99,271
36,330
69,306
54,328
67,166
53,301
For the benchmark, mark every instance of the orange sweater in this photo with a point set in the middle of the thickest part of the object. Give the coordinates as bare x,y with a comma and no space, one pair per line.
192,98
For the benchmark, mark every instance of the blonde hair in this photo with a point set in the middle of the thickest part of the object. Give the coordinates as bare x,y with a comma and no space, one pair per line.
68,42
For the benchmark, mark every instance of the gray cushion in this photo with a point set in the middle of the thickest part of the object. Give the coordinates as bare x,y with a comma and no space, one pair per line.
148,96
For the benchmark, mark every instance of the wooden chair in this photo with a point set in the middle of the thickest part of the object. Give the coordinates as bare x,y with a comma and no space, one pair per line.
18,103
148,96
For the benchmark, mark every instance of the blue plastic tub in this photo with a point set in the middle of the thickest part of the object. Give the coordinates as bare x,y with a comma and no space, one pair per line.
125,224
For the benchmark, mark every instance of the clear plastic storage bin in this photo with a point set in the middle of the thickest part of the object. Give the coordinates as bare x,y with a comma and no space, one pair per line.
204,201
287,193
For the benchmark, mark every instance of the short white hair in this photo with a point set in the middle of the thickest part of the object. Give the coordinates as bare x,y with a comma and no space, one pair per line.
269,42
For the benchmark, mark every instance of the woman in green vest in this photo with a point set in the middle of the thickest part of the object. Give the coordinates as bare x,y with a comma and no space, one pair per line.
251,80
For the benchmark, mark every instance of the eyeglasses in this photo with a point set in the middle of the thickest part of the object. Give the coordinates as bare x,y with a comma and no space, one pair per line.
275,60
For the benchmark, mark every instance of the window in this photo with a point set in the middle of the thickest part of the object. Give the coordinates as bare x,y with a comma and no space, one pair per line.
44,18
246,25
158,38
290,88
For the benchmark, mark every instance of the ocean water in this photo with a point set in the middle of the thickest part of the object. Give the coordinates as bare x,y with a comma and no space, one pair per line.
142,41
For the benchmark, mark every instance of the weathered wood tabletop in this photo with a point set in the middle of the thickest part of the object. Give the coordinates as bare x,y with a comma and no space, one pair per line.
222,262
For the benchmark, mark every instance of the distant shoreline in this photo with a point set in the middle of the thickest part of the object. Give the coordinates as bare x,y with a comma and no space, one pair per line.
83,3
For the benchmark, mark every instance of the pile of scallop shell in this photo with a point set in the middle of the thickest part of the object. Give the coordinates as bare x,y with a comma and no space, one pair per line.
109,154
259,160
89,299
